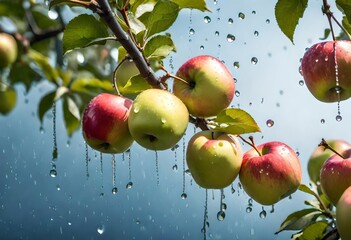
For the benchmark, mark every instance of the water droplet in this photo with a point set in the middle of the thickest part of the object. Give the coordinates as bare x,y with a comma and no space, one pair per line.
263,213
254,60
129,185
268,21
58,188
256,33
163,120
188,172
216,33
301,83
230,38
241,15
207,19
183,196
221,215
101,229
191,31
269,123
224,206
338,117
253,12
53,173
114,190
249,209
175,167
322,121
230,20
236,64
136,109
202,47
237,93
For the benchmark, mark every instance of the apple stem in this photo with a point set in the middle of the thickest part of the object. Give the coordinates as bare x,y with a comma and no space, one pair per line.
327,146
170,75
251,143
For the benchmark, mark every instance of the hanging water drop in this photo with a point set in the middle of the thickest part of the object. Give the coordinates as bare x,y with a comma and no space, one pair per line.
338,117
216,33
183,196
114,190
268,21
263,213
191,31
269,123
241,16
256,33
253,12
237,93
301,83
221,215
254,60
202,47
236,64
230,20
207,19
175,167
249,209
230,38
53,173
129,185
101,229
272,210
322,121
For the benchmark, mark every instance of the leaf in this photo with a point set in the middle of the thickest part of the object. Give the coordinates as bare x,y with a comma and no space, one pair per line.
159,47
83,31
326,34
345,5
91,86
60,91
198,4
135,85
162,17
299,220
43,62
45,104
72,122
68,2
313,231
235,121
288,13
21,72
346,24
306,189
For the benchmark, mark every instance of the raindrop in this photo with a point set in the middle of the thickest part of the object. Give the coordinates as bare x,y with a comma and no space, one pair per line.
253,12
114,174
207,19
236,64
58,188
256,33
249,209
230,38
237,93
241,16
254,60
184,171
272,210
129,185
230,20
338,117
202,47
191,31
101,229
183,196
175,167
114,190
269,123
221,215
322,121
301,83
232,189
268,21
216,33
86,160
53,173
263,213
224,206
157,171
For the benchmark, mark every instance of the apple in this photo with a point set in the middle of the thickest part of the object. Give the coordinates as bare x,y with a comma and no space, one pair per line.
8,50
157,119
320,155
343,215
336,175
270,172
124,72
319,67
207,87
105,123
8,98
214,159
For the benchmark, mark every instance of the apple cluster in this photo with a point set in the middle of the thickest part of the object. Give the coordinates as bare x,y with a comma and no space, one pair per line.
157,119
330,169
326,69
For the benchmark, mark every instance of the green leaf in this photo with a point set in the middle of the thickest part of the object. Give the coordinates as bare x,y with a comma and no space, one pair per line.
135,85
60,91
159,46
198,4
83,31
21,72
326,34
91,86
306,189
42,20
68,2
288,13
43,62
71,115
162,17
314,231
235,121
45,104
346,24
300,219
345,5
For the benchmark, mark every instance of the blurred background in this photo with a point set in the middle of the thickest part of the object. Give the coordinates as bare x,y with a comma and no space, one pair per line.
72,196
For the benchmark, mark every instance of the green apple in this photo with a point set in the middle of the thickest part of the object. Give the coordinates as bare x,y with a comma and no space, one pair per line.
319,66
157,119
214,159
343,215
8,98
125,71
105,123
207,87
335,175
270,172
320,155
8,50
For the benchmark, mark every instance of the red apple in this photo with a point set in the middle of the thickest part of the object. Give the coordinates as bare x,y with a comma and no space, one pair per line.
270,172
319,67
208,88
105,123
336,175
